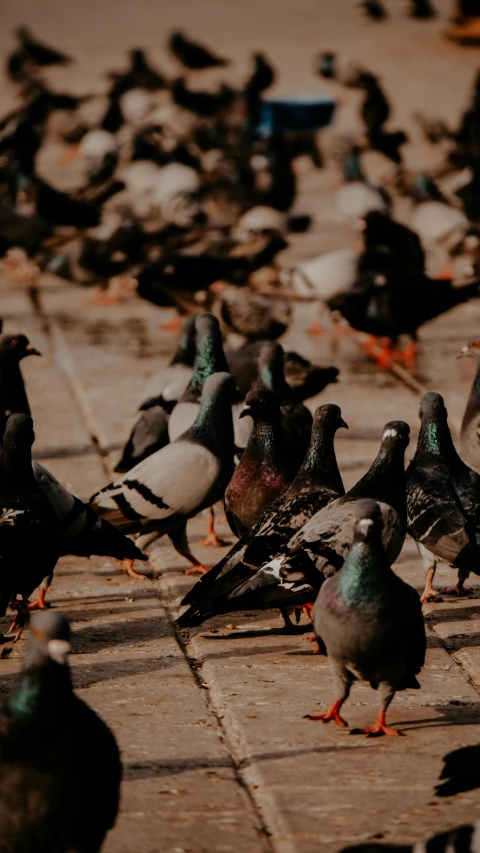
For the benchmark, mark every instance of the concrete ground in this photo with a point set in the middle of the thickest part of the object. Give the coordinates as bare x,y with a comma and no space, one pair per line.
217,754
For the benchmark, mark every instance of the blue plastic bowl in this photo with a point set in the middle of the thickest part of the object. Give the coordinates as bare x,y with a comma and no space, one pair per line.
295,114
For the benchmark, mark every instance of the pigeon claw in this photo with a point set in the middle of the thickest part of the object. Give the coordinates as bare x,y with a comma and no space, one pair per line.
332,714
39,603
458,589
197,569
214,541
308,610
380,728
127,566
22,617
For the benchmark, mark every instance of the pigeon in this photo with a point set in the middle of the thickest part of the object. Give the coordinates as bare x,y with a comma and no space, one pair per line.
150,428
293,577
149,433
13,397
205,104
421,9
166,386
38,53
374,10
470,429
139,75
209,359
193,55
28,524
262,77
389,304
296,418
381,231
50,799
304,378
317,483
375,109
443,499
262,473
172,485
81,532
370,623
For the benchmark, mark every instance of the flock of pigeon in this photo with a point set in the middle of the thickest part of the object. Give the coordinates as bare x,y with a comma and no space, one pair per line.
183,194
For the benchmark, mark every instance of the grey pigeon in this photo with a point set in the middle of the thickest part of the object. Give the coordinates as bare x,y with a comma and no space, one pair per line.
60,768
470,431
317,483
172,485
149,431
209,359
148,434
168,384
443,500
293,577
370,622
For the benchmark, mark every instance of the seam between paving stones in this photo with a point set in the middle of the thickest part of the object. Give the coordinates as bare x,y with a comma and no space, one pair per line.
276,837
246,777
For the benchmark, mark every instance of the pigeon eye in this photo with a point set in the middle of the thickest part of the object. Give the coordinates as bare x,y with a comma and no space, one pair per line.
14,342
476,344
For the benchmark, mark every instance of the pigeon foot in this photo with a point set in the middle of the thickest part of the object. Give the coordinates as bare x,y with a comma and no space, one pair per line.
39,603
430,594
332,714
458,589
308,610
127,566
214,541
316,647
22,617
380,728
197,569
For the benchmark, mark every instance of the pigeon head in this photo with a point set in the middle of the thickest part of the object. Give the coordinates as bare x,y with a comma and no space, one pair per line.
15,347
328,417
435,437
262,406
369,522
45,677
50,634
185,352
271,368
432,407
471,350
209,354
396,432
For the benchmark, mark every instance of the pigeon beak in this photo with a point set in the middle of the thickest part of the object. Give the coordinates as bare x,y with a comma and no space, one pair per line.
343,424
32,351
465,353
247,410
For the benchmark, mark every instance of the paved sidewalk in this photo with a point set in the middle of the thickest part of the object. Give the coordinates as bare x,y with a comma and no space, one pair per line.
218,756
